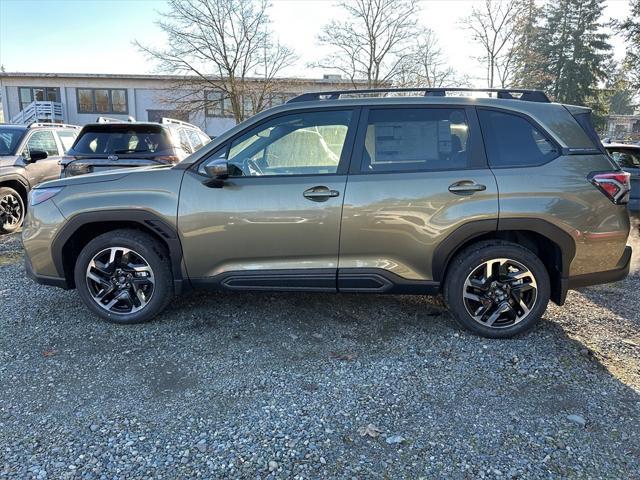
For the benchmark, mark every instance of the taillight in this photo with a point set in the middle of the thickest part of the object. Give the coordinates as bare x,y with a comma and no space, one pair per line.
615,185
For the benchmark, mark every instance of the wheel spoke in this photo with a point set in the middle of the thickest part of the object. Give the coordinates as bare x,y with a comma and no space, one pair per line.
120,280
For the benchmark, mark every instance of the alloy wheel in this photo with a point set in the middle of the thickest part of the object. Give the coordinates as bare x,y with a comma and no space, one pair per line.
10,211
500,293
120,280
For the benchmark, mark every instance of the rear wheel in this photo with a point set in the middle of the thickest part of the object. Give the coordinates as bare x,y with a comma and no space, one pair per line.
124,276
497,289
11,210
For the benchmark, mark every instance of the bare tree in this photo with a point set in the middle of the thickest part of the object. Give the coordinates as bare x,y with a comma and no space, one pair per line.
494,26
371,43
426,65
223,47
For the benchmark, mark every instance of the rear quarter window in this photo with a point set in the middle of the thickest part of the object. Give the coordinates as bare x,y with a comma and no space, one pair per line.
511,140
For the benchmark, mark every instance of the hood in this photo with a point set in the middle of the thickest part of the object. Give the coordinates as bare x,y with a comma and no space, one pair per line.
8,160
107,176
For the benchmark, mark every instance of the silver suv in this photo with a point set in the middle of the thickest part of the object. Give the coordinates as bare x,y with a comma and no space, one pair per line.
29,155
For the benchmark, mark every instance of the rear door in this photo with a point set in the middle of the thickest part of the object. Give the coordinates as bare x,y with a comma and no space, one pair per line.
418,174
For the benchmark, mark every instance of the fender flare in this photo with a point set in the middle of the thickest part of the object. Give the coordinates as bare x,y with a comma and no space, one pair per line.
463,234
146,219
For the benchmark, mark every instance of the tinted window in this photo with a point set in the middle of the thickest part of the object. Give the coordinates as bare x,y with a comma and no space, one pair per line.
627,157
406,139
512,141
297,144
124,139
43,140
9,139
67,138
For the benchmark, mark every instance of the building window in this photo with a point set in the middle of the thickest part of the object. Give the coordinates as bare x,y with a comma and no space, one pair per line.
37,94
217,104
102,100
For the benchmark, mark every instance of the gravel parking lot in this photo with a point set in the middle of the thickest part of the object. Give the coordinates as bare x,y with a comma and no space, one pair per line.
314,386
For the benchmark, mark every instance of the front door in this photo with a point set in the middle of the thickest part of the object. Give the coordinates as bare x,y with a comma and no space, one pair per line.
275,222
418,174
47,168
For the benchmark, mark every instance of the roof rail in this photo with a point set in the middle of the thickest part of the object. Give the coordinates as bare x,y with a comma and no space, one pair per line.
101,119
166,120
504,93
58,125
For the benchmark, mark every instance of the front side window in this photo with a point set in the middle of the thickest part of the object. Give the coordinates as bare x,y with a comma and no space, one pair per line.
102,100
297,144
42,140
416,139
513,141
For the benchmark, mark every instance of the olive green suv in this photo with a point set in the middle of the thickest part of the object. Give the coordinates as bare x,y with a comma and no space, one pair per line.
500,202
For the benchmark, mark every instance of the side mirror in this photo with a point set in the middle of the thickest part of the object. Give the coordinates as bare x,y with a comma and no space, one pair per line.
35,155
217,170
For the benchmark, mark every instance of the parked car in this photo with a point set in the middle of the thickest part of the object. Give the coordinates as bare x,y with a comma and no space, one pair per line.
29,154
500,203
109,144
628,157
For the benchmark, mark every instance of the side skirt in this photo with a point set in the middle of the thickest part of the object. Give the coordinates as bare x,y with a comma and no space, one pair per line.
348,280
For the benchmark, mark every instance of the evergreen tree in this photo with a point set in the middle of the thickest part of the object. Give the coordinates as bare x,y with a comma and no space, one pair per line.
575,49
630,29
530,67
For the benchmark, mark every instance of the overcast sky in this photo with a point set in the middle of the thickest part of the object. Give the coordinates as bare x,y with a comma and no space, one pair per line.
95,36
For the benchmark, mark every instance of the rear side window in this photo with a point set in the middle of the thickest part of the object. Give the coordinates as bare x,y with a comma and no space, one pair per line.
196,141
416,139
67,138
513,141
184,141
121,139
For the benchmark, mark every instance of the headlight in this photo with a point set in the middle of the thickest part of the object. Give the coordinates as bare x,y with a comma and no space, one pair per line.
39,195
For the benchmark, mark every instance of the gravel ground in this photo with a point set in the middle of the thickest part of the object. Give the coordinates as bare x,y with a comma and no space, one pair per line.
314,386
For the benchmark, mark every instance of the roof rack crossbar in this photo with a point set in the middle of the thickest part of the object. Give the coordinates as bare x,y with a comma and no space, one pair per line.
167,120
504,93
57,125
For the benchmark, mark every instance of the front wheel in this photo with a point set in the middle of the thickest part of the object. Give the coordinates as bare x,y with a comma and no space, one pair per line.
11,210
497,289
124,276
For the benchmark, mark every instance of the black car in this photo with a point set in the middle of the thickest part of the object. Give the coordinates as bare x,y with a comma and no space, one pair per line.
628,157
29,155
107,144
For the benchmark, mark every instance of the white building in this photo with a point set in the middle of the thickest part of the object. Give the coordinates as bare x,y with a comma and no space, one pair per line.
78,98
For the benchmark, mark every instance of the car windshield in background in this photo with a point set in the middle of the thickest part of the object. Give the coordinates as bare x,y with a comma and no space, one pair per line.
9,139
121,140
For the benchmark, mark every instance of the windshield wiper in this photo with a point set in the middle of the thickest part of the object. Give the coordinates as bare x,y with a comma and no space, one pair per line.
131,151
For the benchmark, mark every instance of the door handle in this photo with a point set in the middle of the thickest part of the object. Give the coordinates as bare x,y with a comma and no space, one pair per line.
466,187
320,194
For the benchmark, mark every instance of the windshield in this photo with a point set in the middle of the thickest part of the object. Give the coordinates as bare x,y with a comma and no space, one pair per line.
9,140
121,139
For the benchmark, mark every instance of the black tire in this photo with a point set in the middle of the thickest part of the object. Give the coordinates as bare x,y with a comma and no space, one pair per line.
470,262
144,247
12,210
